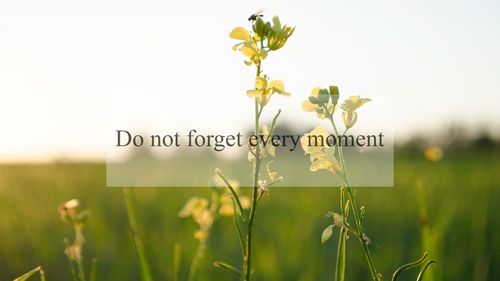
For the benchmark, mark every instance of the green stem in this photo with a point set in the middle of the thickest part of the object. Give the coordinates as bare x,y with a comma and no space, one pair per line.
354,207
247,258
341,248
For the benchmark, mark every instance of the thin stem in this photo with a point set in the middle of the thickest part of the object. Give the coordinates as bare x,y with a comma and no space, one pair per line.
341,248
354,207
247,258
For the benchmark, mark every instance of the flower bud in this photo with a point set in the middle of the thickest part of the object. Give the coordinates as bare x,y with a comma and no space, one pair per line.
349,118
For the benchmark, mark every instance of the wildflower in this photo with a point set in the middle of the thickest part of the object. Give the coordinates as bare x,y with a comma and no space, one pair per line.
433,153
195,207
248,46
70,214
322,157
263,187
226,203
74,251
319,99
264,89
349,115
68,209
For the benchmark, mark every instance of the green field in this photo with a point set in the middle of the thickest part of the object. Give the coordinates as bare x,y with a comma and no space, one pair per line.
447,208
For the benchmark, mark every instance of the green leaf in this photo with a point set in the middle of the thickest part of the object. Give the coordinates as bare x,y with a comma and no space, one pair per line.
327,233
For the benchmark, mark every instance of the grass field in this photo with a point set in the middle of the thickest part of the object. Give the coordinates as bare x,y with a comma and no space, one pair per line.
447,208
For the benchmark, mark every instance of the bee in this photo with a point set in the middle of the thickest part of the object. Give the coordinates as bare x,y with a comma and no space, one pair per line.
256,15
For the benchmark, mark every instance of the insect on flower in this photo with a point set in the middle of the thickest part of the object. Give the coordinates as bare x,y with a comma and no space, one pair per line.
256,15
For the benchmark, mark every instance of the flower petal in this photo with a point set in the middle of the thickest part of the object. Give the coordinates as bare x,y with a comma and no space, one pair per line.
278,85
308,106
248,50
240,33
260,83
315,91
255,93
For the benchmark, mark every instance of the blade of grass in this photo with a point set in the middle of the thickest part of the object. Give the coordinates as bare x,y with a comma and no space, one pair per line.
30,273
408,266
238,229
341,256
139,246
93,268
228,267
177,261
422,271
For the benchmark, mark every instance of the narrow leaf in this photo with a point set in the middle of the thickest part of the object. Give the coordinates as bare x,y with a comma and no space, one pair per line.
422,271
233,192
30,273
177,261
408,266
229,267
341,256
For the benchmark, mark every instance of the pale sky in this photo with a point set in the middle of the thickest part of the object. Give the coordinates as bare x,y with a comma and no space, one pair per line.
70,71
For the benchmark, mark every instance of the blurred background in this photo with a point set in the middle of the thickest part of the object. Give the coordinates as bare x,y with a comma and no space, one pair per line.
70,72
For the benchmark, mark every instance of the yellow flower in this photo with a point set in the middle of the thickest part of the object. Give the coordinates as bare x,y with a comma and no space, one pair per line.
325,161
240,33
433,153
308,106
195,207
350,116
322,156
226,204
313,143
264,89
248,46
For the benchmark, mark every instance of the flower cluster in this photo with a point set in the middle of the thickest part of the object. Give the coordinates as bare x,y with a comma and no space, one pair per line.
324,103
70,214
322,157
204,212
264,37
265,88
349,107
